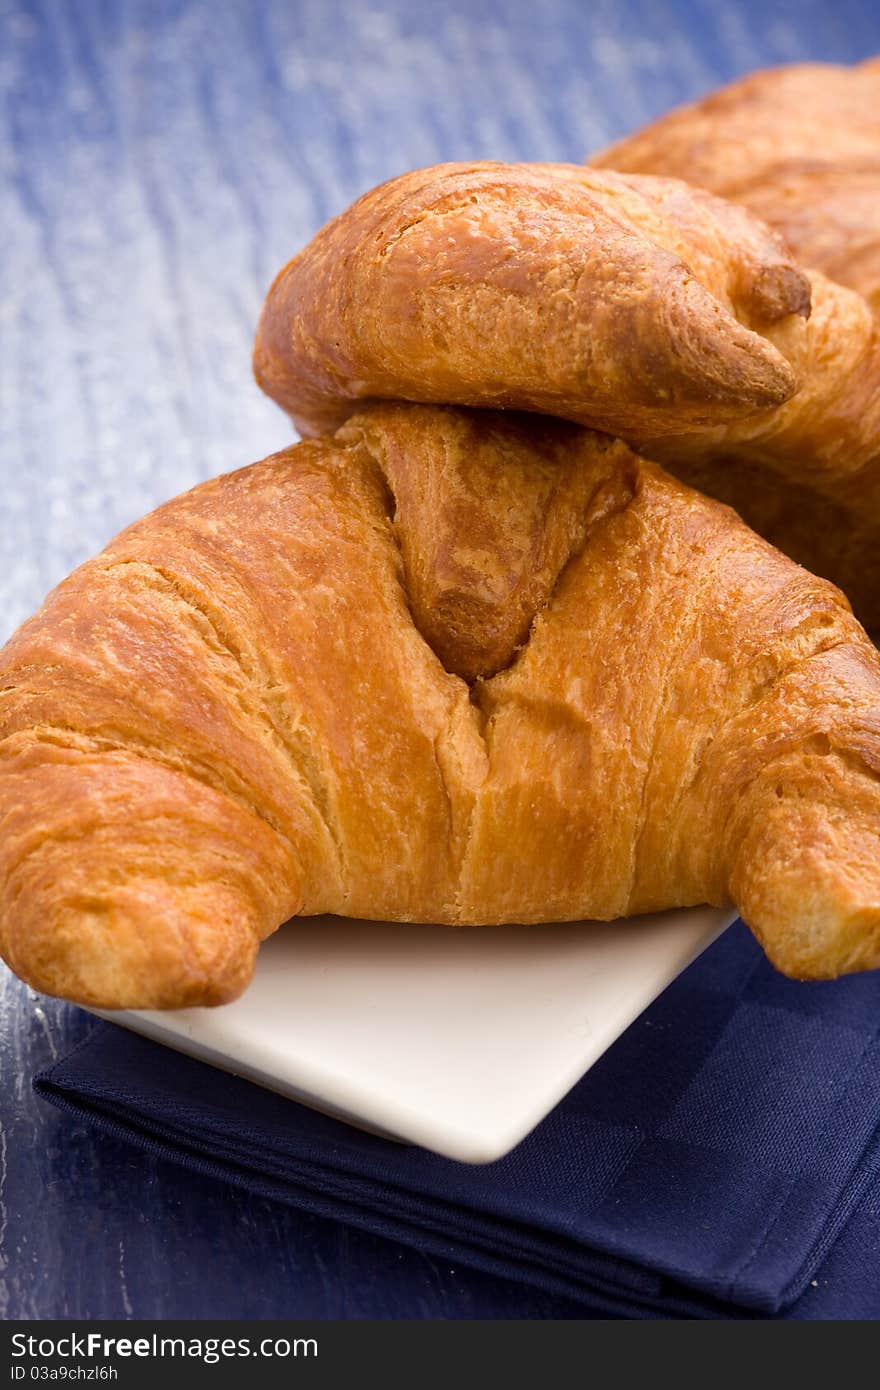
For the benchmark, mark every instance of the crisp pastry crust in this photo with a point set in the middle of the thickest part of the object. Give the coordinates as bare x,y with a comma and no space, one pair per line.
447,666
798,146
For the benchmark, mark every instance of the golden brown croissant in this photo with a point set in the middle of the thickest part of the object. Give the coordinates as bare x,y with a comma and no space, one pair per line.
446,666
800,147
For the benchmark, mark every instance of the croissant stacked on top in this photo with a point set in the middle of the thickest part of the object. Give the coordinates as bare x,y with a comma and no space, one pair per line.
450,661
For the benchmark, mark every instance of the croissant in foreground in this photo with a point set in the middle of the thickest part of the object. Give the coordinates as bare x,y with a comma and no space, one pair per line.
446,666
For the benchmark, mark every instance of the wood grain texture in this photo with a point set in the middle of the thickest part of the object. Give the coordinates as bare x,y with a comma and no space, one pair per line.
158,160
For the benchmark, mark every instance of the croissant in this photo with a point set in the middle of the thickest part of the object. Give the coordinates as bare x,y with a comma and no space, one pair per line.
453,666
799,146
636,305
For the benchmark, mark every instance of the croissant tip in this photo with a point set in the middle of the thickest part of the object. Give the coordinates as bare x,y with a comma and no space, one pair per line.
725,365
812,898
778,292
837,945
103,980
105,957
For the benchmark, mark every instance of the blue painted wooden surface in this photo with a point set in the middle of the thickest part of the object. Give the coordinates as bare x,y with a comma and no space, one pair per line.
159,159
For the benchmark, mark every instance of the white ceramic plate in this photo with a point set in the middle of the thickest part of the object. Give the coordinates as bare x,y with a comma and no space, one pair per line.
458,1039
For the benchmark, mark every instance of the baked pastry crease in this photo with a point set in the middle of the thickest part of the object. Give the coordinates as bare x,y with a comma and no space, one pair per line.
447,666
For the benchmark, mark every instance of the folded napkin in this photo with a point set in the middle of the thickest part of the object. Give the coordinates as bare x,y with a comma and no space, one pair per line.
702,1168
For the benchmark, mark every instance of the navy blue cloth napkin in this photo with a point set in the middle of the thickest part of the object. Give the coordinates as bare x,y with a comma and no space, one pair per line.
704,1167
